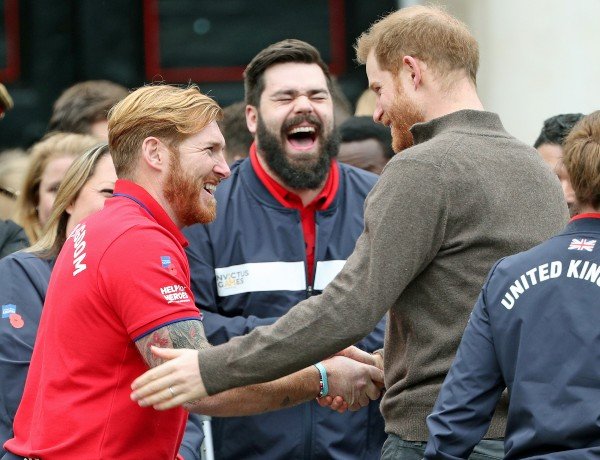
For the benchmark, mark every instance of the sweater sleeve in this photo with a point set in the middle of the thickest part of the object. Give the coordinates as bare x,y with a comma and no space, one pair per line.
405,217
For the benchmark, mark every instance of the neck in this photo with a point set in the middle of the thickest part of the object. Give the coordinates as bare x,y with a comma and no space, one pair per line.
586,209
305,194
154,186
462,95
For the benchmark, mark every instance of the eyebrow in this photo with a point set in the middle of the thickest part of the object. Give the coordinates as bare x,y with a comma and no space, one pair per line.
211,144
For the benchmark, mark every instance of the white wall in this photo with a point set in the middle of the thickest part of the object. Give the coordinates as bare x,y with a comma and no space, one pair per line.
538,58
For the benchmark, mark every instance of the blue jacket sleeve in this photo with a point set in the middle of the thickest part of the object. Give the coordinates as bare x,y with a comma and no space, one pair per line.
23,284
192,438
469,395
219,329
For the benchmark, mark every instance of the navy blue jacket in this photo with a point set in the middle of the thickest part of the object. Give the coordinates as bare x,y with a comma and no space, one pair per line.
24,281
12,238
248,269
535,331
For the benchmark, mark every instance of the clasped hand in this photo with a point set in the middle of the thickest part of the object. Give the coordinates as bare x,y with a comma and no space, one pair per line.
355,378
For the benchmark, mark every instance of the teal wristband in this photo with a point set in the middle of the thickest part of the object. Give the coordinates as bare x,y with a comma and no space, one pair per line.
324,384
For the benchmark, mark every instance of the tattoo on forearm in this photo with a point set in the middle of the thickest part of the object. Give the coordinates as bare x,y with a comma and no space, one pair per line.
188,334
286,402
182,334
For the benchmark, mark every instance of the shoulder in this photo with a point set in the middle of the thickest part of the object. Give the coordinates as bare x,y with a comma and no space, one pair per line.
8,228
12,237
355,183
239,169
24,267
356,176
509,268
25,260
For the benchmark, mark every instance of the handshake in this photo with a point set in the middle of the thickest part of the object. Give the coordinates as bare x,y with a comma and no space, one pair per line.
353,378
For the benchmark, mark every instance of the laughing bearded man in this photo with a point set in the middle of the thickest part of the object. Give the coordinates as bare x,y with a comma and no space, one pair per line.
288,218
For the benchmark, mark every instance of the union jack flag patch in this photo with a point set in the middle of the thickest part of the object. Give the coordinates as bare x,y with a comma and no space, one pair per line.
582,245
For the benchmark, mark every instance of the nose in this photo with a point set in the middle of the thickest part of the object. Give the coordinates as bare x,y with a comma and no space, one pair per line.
378,113
221,168
303,104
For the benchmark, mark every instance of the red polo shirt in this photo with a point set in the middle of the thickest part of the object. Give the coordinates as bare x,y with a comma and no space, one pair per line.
121,274
293,201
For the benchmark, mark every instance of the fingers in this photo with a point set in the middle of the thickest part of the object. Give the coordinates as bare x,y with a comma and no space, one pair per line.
372,391
338,404
155,391
378,360
357,354
156,372
325,401
166,353
343,408
334,403
376,374
354,407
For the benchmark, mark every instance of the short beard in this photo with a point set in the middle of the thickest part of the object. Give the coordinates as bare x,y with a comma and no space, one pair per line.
402,115
304,176
183,193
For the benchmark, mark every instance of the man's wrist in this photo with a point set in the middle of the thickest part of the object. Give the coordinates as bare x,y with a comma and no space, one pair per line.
323,382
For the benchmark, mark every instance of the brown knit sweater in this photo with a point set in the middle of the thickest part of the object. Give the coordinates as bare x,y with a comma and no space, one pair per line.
440,215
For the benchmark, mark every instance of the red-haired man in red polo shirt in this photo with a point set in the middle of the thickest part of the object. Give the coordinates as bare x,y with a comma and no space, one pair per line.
121,284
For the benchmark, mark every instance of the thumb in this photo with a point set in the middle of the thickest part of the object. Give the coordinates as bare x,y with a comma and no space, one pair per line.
376,374
357,354
166,353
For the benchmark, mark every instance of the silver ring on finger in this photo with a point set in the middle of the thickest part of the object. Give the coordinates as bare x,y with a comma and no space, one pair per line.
172,392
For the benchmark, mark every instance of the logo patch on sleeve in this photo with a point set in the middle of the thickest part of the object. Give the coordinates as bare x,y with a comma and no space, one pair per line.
175,293
8,309
165,262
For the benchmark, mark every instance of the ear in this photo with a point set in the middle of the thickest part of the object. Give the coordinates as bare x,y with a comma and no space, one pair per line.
414,68
251,118
154,153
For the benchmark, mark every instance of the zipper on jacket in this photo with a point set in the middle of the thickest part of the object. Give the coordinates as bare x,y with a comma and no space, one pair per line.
309,406
309,287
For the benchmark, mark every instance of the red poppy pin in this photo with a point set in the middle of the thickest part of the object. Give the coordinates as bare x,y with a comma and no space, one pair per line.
16,321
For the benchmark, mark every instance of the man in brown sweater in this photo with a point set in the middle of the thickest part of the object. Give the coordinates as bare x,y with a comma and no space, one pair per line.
443,211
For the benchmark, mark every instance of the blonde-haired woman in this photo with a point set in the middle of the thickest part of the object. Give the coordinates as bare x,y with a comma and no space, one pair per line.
24,275
50,159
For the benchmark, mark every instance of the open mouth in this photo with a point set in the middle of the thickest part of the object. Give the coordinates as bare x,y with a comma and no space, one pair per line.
210,188
302,137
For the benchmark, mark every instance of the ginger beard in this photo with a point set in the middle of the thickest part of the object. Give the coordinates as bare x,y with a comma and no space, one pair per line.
401,116
300,171
185,193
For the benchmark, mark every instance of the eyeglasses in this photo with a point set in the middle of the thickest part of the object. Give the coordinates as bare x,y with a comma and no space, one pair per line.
9,192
